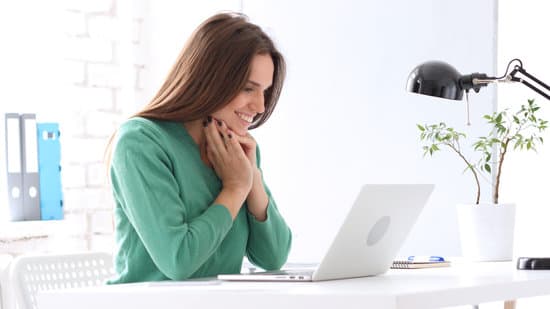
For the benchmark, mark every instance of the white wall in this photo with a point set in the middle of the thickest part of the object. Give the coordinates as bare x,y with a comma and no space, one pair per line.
74,63
344,118
29,66
523,33
166,27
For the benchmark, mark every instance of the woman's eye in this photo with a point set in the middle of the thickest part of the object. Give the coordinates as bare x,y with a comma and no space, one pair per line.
248,89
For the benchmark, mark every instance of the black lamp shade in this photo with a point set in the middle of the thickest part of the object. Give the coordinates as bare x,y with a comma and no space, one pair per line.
435,78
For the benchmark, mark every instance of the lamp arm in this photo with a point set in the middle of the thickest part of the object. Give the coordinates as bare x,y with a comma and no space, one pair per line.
478,80
539,87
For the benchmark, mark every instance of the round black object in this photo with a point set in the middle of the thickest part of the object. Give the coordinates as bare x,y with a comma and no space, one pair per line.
435,78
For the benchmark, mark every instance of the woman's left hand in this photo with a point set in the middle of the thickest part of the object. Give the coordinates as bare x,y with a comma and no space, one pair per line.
248,143
257,199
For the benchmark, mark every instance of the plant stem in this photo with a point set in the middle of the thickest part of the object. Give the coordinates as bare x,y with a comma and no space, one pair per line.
499,170
471,169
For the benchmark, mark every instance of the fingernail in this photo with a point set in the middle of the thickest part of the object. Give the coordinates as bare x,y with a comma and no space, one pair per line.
209,118
219,123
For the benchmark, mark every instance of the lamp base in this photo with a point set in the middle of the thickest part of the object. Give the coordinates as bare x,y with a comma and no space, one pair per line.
534,263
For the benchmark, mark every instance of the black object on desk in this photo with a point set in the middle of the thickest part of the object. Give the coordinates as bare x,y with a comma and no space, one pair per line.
533,263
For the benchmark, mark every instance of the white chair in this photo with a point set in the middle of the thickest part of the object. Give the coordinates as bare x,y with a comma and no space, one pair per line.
31,274
5,260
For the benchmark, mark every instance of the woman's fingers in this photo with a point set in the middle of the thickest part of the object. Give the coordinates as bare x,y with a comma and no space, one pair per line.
227,157
223,143
233,144
214,138
248,145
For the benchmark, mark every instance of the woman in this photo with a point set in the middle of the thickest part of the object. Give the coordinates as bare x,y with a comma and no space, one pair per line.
185,172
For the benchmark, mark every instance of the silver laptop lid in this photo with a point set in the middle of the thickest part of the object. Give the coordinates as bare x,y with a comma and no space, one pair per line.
374,230
369,238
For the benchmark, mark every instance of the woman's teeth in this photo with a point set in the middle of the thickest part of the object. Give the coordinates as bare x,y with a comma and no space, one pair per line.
245,117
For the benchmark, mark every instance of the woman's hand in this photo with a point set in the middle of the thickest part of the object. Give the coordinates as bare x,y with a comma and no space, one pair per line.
230,163
257,199
248,143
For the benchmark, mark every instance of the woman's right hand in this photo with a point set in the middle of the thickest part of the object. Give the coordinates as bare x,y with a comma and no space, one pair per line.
230,164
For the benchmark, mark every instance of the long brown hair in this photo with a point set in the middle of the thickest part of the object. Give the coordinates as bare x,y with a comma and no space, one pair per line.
211,69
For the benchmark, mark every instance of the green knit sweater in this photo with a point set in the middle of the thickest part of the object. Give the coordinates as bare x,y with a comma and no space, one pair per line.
167,227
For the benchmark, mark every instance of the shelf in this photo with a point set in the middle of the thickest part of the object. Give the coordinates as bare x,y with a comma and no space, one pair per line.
22,229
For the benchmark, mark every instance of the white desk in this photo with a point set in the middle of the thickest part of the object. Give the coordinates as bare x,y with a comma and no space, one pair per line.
461,284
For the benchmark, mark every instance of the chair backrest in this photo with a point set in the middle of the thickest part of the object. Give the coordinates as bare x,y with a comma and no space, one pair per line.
30,274
5,261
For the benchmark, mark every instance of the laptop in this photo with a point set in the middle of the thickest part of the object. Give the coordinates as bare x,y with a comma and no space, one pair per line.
369,239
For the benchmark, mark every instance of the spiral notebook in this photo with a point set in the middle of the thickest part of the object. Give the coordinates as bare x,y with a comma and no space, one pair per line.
406,264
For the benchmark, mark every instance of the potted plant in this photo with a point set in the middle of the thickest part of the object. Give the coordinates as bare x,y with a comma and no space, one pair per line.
486,230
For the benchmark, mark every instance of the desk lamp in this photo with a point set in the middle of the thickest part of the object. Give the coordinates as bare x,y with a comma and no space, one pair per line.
439,79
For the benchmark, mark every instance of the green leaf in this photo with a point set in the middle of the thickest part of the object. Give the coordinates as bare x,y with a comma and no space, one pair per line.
487,167
421,128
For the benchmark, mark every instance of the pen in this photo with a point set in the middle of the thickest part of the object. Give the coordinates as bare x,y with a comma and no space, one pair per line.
422,258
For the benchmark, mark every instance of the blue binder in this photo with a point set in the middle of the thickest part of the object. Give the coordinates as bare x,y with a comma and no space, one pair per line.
49,165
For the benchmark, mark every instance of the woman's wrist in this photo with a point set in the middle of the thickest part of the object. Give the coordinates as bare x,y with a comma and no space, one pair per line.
257,199
232,199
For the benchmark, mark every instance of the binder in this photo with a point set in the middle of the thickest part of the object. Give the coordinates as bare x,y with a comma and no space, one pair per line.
13,166
49,167
29,167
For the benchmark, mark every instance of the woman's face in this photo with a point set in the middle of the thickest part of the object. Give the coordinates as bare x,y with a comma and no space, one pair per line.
249,102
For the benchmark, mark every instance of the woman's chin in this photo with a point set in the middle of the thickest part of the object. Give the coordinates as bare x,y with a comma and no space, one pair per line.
239,131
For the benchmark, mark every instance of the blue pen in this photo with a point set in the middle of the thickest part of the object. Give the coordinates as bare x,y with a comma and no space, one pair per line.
432,258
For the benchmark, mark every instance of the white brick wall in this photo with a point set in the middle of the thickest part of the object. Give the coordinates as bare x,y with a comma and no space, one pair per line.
82,149
74,176
104,75
96,175
87,199
74,72
90,6
87,49
86,98
101,73
74,23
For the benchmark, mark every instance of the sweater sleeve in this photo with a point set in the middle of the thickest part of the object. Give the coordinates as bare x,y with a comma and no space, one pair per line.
269,241
147,191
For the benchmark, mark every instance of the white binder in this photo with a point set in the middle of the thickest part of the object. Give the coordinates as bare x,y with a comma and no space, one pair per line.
13,167
29,167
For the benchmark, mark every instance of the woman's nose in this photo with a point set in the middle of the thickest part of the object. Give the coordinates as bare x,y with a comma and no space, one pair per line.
259,104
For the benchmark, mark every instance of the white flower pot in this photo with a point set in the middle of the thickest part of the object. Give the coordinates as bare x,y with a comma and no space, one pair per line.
487,231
